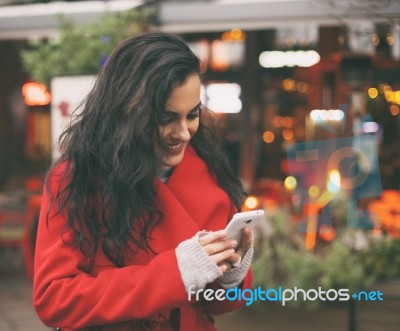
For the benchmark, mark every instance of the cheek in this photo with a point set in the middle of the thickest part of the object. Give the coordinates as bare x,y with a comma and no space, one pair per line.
193,127
164,131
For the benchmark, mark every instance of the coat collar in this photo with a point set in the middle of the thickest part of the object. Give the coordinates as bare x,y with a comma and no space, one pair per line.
190,200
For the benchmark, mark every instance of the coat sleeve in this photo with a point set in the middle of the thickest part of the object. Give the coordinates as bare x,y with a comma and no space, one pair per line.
66,296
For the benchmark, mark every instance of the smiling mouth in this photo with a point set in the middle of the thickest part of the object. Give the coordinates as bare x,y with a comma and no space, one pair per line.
175,147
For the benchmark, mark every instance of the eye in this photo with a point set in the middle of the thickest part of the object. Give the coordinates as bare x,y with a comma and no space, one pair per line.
194,113
165,118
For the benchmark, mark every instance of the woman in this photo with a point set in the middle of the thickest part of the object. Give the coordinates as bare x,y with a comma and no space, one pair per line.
132,213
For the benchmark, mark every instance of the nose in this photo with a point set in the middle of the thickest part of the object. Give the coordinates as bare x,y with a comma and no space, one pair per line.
181,131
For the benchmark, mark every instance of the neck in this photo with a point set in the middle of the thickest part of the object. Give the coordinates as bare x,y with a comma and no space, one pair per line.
164,173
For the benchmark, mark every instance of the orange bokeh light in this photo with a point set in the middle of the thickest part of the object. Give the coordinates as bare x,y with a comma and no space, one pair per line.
251,202
36,94
394,110
268,137
287,122
288,134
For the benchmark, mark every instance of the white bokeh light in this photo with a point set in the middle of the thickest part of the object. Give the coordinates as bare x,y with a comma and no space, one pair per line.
223,97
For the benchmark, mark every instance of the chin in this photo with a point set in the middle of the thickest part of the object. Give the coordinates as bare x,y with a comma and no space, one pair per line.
173,160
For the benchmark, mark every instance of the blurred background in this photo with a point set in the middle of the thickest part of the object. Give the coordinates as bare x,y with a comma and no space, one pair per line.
307,96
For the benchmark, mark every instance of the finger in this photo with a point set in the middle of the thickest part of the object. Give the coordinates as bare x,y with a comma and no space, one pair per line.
224,266
212,237
219,246
222,256
234,258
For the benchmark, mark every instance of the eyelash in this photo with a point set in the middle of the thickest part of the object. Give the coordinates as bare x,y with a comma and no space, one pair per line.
191,116
194,115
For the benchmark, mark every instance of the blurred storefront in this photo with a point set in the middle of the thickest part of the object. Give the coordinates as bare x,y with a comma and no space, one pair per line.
286,59
25,119
267,65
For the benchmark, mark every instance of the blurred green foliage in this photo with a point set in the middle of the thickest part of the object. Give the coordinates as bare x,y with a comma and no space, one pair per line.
383,259
355,259
80,50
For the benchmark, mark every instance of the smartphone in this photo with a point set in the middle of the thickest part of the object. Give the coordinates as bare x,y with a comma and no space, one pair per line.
240,220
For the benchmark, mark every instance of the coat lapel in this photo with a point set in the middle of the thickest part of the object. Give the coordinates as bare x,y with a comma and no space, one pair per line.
191,200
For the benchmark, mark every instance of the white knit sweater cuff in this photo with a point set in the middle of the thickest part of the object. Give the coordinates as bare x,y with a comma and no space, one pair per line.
195,266
235,276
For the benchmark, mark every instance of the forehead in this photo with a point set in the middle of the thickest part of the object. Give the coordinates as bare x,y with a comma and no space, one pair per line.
186,96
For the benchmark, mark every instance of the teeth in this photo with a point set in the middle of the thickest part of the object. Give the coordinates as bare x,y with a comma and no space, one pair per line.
172,147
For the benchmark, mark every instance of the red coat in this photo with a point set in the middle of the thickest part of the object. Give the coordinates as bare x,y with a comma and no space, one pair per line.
141,295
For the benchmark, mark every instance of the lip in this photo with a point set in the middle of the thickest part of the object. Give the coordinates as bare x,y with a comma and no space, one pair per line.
175,149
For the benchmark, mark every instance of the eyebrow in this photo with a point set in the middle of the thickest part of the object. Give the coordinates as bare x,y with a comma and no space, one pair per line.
192,110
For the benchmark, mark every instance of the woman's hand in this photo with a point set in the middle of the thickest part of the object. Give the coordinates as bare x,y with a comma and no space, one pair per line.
220,249
245,245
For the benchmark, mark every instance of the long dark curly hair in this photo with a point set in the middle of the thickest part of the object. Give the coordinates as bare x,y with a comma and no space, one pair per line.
108,187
